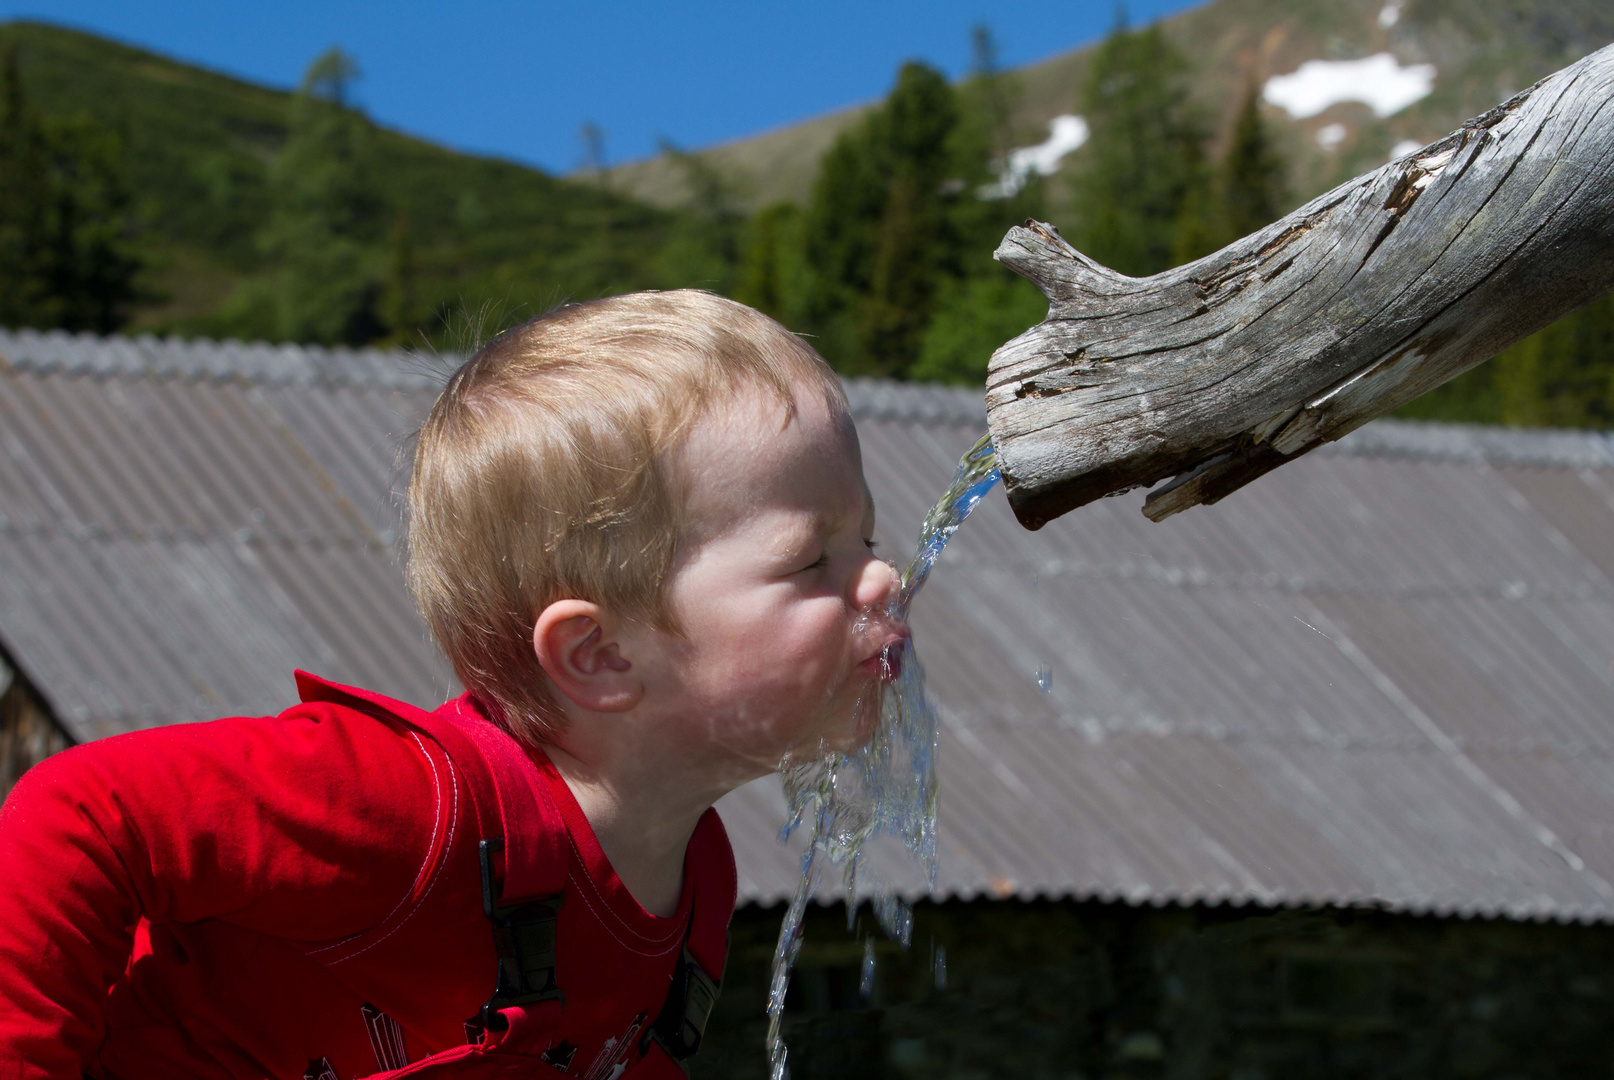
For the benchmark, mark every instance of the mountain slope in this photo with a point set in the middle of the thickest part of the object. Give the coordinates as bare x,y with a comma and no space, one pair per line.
199,146
1483,51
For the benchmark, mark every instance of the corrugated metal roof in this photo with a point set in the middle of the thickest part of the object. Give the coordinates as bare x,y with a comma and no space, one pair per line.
1383,675
182,523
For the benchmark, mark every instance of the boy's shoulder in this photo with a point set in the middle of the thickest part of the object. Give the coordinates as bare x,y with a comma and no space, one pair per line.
330,732
311,823
327,777
314,691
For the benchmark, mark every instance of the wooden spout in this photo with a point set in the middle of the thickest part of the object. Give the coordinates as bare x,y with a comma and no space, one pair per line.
1211,374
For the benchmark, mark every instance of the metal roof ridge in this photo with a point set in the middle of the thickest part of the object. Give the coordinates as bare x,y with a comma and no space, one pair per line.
1473,444
261,362
888,399
269,363
1280,898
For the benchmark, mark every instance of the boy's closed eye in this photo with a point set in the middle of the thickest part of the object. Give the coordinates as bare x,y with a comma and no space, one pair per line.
823,558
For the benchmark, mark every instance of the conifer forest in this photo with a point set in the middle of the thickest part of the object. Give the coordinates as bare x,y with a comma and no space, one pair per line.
233,212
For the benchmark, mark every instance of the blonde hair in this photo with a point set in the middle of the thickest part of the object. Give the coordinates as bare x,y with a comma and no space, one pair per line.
543,473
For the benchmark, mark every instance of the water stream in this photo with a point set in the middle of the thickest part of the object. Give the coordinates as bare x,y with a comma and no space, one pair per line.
885,788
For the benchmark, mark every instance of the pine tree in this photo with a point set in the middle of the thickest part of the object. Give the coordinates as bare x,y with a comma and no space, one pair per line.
92,261
979,147
1252,174
973,317
878,231
1144,155
986,101
24,198
1562,376
893,252
400,300
323,240
897,307
1572,363
1246,192
772,275
704,246
66,256
848,197
979,304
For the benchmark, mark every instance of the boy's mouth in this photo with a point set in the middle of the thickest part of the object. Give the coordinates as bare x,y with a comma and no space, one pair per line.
885,665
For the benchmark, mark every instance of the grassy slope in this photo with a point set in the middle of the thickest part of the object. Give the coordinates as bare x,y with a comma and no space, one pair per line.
778,164
1484,51
200,144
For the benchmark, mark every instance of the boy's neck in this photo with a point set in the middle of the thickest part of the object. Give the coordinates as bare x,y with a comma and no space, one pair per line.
643,813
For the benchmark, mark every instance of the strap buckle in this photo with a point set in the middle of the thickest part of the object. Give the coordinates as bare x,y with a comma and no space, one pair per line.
524,938
682,1023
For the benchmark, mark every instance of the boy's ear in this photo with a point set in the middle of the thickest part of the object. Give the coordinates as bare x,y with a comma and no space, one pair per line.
577,648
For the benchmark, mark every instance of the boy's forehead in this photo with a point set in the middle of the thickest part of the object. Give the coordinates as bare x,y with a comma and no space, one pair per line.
753,447
757,423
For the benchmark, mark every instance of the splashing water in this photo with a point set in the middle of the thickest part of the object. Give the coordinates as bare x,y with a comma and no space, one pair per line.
977,473
885,787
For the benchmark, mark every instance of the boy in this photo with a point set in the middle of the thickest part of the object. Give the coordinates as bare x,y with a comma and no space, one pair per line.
640,532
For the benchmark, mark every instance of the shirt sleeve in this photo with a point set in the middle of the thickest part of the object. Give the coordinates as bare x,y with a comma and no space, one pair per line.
309,826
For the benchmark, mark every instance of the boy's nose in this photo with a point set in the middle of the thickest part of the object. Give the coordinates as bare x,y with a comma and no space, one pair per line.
876,585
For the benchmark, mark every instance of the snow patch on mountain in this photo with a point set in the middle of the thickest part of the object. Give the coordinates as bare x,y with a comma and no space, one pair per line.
1065,133
1329,136
1378,81
1404,147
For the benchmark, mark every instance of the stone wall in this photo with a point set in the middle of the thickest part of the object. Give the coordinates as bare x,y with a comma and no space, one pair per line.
1095,991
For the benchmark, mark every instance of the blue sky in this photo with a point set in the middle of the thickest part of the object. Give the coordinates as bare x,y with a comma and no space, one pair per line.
520,79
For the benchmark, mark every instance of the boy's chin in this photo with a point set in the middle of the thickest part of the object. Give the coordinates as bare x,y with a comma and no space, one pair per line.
845,731
856,727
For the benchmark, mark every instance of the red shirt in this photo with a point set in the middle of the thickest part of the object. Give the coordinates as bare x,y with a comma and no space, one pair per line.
222,899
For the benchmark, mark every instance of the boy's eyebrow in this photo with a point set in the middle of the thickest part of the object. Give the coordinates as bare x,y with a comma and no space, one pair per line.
804,530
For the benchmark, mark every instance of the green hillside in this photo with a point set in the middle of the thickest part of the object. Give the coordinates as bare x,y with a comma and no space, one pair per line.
1484,51
199,148
138,193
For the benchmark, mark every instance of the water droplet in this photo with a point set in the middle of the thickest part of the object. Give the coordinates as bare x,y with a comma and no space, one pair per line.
1045,678
941,967
865,985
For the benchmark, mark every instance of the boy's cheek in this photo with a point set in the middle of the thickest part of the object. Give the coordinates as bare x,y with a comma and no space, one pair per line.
813,636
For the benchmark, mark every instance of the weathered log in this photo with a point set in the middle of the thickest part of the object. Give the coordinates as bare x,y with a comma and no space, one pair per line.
1223,369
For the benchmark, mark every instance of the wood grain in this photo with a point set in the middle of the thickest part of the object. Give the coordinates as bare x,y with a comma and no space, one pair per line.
1220,370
